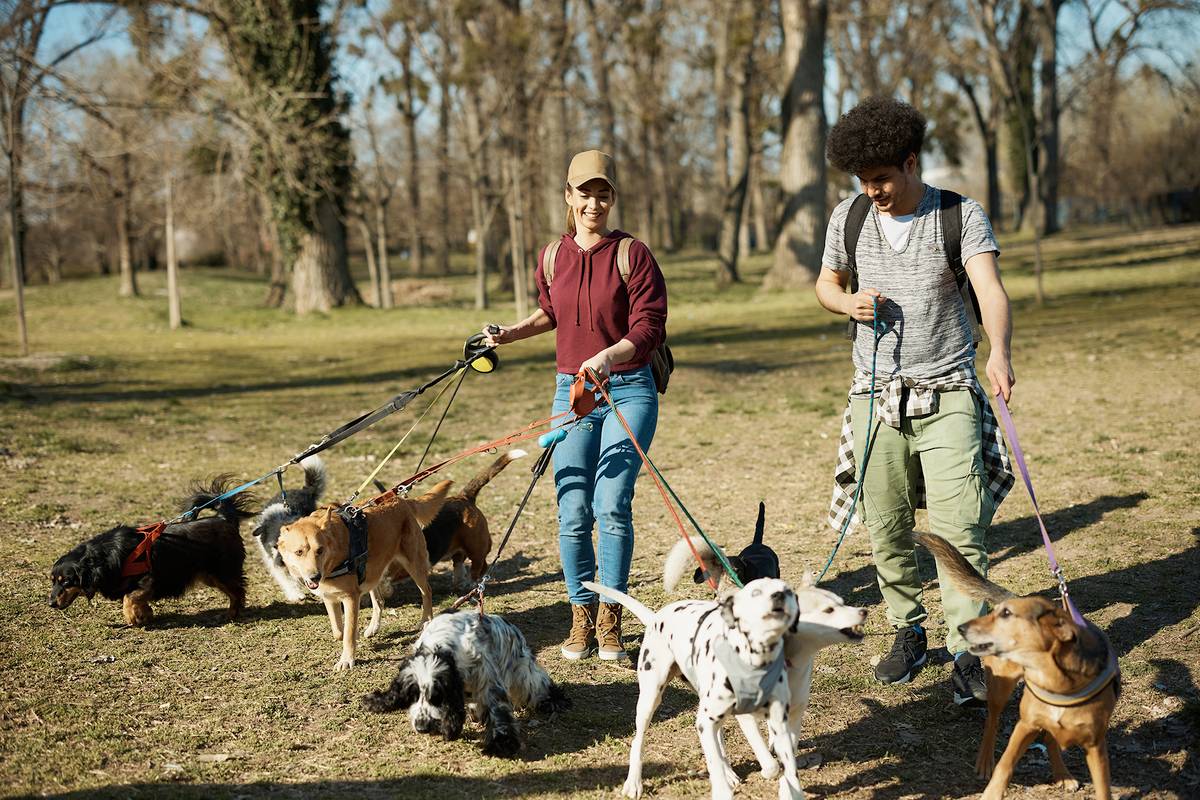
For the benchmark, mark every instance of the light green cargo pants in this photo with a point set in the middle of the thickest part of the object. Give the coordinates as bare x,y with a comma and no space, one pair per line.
946,448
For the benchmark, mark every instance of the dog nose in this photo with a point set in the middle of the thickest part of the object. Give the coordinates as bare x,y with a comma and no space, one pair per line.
780,595
862,612
962,629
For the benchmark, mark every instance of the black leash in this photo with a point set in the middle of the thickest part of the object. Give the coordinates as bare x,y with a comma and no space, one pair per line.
539,469
441,419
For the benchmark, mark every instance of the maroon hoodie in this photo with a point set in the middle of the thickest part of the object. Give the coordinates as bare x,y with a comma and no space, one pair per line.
591,308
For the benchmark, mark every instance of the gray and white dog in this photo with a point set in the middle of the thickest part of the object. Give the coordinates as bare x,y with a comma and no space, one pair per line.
465,661
284,509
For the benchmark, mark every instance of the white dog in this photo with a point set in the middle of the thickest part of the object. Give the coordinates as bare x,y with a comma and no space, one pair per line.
732,653
283,509
464,661
824,620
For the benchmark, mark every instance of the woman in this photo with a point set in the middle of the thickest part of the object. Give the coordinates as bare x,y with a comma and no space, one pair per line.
612,327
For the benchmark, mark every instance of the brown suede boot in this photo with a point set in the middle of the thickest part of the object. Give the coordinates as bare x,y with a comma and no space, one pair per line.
582,639
608,632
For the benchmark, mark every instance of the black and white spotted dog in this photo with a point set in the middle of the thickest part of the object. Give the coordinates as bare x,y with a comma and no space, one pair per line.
284,509
732,653
467,661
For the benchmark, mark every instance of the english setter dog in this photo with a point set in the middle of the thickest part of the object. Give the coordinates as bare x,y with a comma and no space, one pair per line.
466,661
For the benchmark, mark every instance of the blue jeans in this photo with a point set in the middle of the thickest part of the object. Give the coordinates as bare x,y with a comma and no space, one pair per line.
595,468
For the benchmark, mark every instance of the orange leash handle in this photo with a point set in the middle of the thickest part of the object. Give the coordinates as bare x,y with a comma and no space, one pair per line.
653,473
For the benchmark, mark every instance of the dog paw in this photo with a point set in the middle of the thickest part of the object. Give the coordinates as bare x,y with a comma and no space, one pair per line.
1068,785
632,788
555,701
503,745
370,631
771,771
731,777
344,664
787,792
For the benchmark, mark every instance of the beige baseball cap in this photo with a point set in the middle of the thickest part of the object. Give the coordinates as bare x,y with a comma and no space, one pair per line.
589,165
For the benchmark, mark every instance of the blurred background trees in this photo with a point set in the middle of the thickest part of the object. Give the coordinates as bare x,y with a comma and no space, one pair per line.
302,140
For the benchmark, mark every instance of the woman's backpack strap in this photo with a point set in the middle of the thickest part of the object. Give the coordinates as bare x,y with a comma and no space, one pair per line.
623,257
549,255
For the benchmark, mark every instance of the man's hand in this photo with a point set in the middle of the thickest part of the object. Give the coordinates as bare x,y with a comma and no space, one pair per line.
601,364
1000,373
861,305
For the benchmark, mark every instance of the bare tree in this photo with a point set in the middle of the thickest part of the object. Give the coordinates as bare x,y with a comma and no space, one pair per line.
802,162
22,26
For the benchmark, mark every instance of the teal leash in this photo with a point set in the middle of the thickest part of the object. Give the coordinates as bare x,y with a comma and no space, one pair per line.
871,424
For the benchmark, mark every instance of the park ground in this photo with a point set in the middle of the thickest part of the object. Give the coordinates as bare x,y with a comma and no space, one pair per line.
118,414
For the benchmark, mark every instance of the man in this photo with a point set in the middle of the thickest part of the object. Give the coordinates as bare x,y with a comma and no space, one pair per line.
934,439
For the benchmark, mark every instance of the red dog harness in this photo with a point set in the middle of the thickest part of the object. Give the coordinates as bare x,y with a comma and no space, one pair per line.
138,562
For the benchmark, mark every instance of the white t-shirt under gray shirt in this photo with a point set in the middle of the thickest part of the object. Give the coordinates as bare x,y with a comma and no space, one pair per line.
929,333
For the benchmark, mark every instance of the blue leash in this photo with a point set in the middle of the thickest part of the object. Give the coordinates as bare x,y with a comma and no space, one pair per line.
862,472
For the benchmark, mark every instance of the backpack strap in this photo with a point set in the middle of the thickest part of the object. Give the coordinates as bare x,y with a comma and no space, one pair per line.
951,216
549,256
623,257
856,217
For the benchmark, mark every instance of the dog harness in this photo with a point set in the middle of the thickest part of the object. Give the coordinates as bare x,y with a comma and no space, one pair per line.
356,522
751,685
138,562
1110,672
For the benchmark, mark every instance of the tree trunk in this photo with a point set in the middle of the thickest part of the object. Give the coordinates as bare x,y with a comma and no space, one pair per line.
481,204
174,312
385,272
987,123
414,185
320,280
16,246
738,175
129,287
516,228
364,233
798,246
1047,31
599,47
762,232
554,155
442,241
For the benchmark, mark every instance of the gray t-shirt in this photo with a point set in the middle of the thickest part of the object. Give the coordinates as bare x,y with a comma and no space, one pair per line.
929,333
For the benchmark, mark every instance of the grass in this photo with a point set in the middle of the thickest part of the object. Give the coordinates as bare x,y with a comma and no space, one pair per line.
117,414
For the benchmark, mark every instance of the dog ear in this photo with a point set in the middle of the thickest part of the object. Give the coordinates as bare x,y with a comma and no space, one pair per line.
454,700
808,579
402,693
1058,624
698,575
727,614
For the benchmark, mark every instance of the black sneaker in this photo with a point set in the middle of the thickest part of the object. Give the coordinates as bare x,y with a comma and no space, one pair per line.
969,681
907,654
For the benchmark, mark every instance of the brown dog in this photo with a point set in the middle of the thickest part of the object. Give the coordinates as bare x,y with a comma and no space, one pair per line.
460,530
1071,676
317,546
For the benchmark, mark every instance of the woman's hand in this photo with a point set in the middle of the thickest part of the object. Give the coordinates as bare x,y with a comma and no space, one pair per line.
601,364
495,335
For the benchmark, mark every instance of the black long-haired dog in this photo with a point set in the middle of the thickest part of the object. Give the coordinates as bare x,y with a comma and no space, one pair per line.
207,550
756,560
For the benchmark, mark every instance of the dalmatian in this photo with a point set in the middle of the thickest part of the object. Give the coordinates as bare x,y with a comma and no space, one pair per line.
732,652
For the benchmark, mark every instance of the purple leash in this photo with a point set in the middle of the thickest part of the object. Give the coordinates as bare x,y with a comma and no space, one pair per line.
1010,433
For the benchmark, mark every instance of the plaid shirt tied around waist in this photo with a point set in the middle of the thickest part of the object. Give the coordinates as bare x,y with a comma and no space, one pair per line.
900,397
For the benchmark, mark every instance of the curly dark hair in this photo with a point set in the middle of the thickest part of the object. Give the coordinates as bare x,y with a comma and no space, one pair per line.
879,131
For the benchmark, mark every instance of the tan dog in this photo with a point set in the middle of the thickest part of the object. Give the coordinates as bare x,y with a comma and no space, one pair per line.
460,530
1071,676
316,546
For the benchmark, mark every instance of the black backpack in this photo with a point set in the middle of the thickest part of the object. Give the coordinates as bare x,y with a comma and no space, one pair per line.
950,213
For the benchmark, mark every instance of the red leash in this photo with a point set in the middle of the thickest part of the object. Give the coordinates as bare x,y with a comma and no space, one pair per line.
653,474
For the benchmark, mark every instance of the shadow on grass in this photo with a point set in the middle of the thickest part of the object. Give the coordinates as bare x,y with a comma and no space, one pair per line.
943,740
1005,540
560,782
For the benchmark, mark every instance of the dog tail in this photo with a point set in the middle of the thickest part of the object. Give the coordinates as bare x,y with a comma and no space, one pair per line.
314,476
680,560
427,506
960,572
481,480
234,509
758,526
640,611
